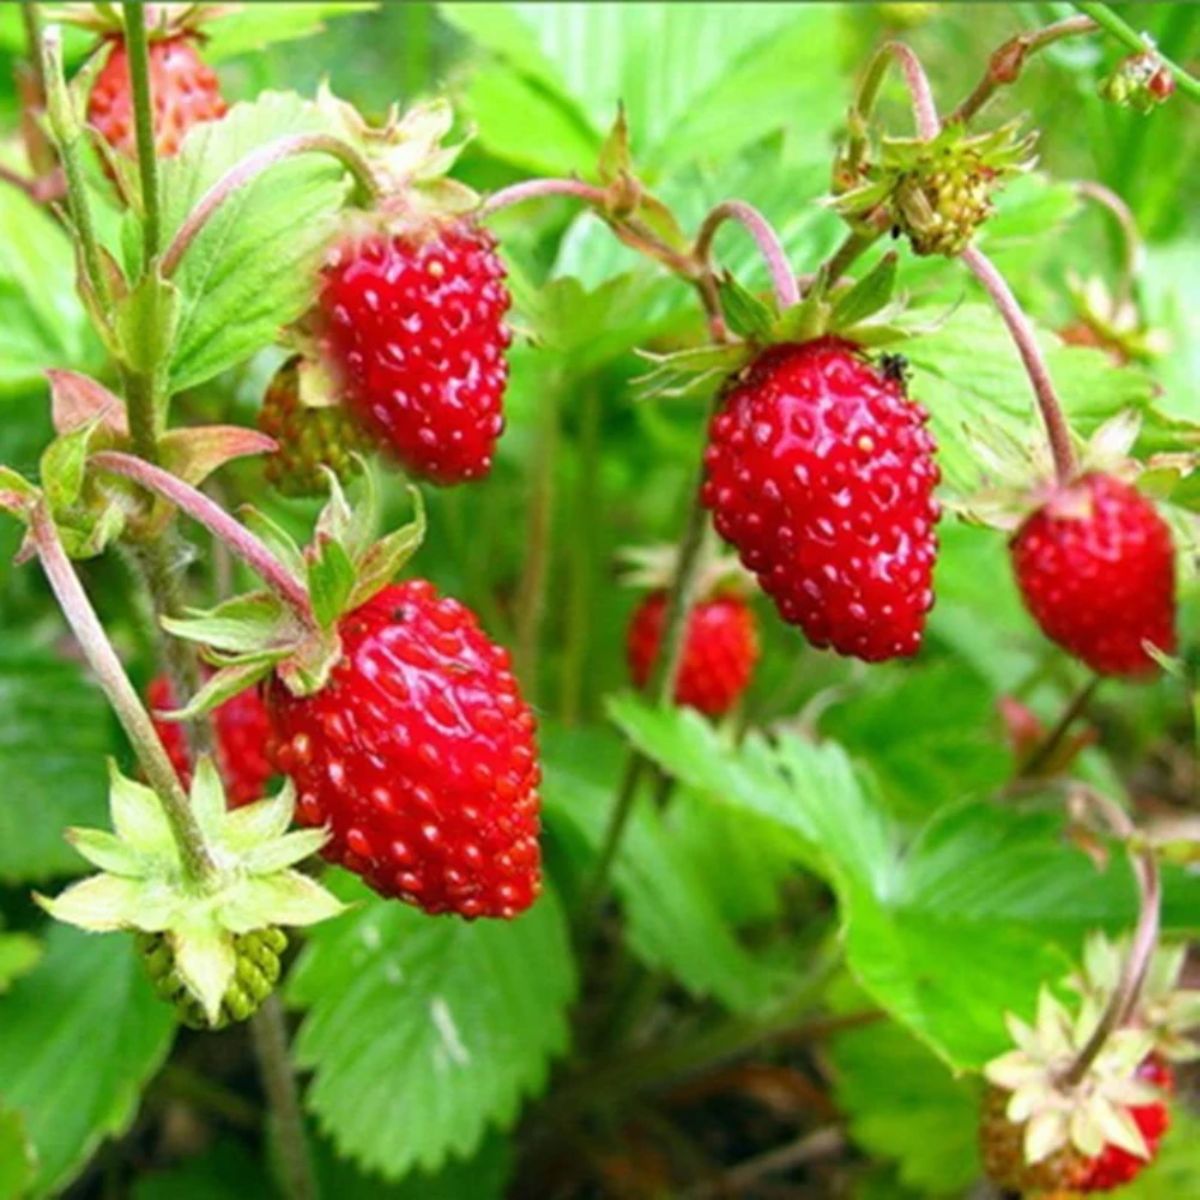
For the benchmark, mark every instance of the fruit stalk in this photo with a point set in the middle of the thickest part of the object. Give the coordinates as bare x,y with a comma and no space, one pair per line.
143,112
1134,255
214,518
269,1032
102,658
1008,60
1044,752
1112,24
921,95
250,168
783,279
1124,999
1031,355
533,189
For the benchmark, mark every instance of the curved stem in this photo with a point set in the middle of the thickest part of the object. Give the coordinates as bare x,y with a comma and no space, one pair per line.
1031,355
1008,60
211,515
102,658
254,165
534,189
920,94
1134,249
1044,751
1111,23
1123,1002
783,279
143,115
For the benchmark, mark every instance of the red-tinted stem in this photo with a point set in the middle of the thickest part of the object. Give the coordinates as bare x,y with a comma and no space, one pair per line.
211,515
250,168
1031,355
535,189
783,279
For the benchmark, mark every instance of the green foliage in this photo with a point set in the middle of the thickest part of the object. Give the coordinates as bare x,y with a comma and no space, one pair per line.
79,1038
423,1033
53,743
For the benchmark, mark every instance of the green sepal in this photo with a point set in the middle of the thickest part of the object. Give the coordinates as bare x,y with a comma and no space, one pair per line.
63,465
88,517
869,295
806,320
330,577
744,312
143,886
17,494
252,622
221,686
699,370
274,537
382,561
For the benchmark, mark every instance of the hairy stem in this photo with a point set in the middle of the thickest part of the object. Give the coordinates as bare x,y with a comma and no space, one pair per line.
213,517
269,1031
1126,34
535,189
143,117
1008,60
783,279
920,95
252,166
68,136
1031,355
102,658
1133,250
1124,1000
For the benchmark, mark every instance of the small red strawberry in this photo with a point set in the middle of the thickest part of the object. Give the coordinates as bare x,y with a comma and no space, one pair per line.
719,651
411,322
820,472
184,89
420,756
1096,566
242,732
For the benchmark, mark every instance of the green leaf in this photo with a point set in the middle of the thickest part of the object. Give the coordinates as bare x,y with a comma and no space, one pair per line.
252,269
43,321
61,469
250,27
424,1032
79,1038
19,954
225,1169
997,887
146,322
675,922
902,1103
18,1162
55,737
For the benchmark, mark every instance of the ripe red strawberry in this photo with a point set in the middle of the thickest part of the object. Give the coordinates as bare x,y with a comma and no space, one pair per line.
420,755
1096,566
242,732
412,323
185,91
820,472
720,649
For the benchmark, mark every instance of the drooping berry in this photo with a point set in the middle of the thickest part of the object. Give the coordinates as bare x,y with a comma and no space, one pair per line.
185,91
420,755
1096,566
241,751
1068,1170
258,956
820,472
309,438
720,649
412,324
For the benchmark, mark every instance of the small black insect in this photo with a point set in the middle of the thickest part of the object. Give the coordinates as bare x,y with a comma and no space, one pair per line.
895,367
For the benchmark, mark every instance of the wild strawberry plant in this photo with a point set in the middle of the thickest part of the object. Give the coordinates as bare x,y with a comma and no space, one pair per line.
849,849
